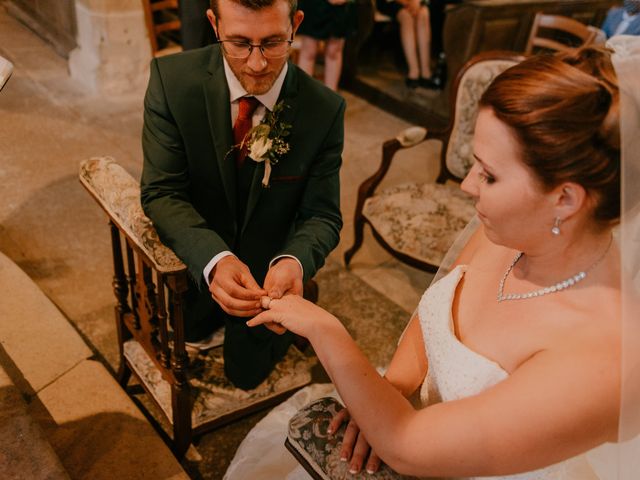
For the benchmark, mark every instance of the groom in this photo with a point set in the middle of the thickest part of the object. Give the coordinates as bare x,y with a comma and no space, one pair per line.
239,239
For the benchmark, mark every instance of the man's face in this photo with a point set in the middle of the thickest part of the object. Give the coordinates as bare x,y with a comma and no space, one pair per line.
235,22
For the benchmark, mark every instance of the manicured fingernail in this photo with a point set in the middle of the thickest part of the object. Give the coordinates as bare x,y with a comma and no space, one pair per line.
343,458
353,470
370,471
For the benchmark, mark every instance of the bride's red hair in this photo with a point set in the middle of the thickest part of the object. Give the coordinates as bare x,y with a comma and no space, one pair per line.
564,112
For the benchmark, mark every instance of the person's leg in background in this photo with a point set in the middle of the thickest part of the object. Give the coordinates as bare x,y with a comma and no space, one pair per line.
423,37
195,29
437,9
308,52
408,39
333,62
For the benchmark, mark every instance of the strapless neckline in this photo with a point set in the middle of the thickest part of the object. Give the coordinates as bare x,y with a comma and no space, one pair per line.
457,371
456,275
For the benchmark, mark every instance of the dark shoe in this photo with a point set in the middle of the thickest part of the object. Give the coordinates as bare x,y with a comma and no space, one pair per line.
412,83
429,83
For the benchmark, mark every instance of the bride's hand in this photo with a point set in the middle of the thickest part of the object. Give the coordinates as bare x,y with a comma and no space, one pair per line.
355,447
293,313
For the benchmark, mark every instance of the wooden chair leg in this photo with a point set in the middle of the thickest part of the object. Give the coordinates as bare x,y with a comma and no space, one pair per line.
182,431
366,189
358,234
121,292
181,389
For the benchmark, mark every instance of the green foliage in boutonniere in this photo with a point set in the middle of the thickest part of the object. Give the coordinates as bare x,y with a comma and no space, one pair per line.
265,141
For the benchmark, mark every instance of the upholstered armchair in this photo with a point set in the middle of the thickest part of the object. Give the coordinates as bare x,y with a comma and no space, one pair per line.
149,283
418,222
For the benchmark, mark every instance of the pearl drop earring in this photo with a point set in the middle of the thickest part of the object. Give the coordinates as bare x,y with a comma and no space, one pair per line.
556,226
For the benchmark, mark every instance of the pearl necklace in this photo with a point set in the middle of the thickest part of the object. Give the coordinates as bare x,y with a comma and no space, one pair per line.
569,282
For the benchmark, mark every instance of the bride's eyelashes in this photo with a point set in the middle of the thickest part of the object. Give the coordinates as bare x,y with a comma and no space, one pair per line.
486,177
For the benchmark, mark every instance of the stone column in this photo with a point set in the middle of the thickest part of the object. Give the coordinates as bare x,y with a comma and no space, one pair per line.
113,50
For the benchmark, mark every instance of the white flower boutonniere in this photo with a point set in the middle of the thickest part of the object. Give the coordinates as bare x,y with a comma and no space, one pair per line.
266,141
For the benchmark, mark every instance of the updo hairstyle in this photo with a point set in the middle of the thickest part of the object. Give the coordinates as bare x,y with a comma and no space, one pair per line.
564,112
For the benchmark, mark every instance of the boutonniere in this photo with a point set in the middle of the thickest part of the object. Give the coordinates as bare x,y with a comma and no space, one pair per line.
265,141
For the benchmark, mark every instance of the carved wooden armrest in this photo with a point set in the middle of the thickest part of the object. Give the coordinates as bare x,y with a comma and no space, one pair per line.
409,137
118,193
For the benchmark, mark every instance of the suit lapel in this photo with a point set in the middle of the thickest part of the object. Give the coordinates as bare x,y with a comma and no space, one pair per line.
288,94
216,94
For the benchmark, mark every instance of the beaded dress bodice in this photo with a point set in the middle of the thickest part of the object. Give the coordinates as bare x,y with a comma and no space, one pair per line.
456,371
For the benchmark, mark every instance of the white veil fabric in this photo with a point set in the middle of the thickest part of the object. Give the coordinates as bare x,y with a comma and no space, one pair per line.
626,61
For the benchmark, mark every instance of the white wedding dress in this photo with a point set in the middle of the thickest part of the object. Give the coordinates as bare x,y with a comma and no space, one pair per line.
455,372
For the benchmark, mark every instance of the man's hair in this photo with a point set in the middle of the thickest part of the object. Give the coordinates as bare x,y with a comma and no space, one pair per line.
256,5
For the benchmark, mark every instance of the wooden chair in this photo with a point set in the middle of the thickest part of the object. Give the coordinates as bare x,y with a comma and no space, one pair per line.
417,223
556,33
163,26
6,69
149,283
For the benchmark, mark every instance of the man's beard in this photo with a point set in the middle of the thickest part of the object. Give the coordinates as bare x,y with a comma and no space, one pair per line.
252,85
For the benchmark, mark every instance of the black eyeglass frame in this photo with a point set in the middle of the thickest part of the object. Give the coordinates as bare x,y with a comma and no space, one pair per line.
251,46
260,46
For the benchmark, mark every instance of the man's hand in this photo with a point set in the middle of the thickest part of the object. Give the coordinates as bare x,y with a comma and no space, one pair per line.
283,278
233,287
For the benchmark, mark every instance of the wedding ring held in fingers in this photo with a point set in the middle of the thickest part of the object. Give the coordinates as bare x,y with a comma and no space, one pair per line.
265,302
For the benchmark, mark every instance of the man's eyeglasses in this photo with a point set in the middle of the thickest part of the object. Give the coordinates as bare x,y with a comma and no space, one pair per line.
274,49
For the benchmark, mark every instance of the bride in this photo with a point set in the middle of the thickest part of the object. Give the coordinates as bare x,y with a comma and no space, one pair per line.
516,351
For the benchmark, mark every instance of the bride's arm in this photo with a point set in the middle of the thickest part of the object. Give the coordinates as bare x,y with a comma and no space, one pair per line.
554,406
405,373
408,366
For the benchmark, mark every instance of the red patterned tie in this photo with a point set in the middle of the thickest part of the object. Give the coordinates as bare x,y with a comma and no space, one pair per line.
241,127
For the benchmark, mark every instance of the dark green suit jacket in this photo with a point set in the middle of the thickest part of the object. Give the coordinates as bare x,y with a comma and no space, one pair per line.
201,204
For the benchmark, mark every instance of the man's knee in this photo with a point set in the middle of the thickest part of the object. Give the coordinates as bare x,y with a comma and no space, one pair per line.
251,355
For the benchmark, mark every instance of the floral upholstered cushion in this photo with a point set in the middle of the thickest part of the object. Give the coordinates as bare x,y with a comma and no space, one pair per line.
420,220
473,83
119,195
320,451
213,395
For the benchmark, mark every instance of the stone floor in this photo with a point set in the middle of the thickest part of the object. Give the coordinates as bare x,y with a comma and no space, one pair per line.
52,229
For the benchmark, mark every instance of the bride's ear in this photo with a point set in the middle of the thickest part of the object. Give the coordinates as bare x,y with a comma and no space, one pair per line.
570,198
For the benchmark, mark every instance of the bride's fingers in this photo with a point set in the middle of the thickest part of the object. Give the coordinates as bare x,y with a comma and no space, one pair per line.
349,440
359,454
373,464
337,420
266,317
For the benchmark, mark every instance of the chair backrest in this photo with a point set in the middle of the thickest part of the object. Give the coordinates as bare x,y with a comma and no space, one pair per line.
471,82
163,26
557,33
6,68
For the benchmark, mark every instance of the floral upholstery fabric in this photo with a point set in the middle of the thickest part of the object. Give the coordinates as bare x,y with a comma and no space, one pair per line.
420,220
471,87
308,436
119,195
213,395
